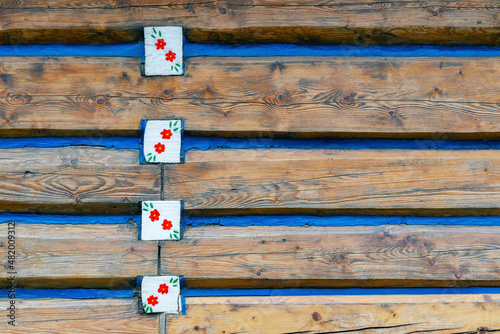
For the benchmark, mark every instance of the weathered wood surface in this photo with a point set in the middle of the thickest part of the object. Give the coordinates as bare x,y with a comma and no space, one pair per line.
268,96
318,181
75,179
269,256
82,316
355,22
56,255
339,314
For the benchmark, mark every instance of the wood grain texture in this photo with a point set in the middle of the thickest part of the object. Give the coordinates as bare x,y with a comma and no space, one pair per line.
269,256
75,179
354,22
56,255
81,316
450,314
319,181
444,98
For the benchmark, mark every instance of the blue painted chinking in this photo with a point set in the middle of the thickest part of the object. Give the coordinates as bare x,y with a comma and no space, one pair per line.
278,220
189,292
70,293
266,50
210,143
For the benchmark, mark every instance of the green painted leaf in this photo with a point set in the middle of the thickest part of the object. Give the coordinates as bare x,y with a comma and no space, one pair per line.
176,123
176,231
153,36
171,67
151,205
150,154
176,236
145,210
176,129
171,236
175,280
171,279
149,159
176,69
174,286
177,64
154,30
154,158
159,32
170,125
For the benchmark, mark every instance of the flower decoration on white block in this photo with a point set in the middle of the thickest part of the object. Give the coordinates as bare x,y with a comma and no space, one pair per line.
163,50
162,141
161,220
161,294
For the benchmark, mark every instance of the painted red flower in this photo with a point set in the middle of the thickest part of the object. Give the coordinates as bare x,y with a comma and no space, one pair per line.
153,300
163,289
167,224
160,44
159,148
170,56
155,215
166,134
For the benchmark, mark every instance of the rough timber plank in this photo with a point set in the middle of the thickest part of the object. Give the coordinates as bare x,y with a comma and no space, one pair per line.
269,256
270,96
339,314
94,255
75,179
317,181
360,22
79,316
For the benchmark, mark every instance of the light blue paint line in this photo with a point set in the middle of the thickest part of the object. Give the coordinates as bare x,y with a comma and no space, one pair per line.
63,219
337,221
61,50
256,50
69,293
258,220
188,292
206,143
41,142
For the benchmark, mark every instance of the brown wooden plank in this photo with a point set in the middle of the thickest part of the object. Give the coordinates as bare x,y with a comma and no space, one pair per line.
93,255
319,181
75,179
356,22
274,256
339,314
269,96
82,316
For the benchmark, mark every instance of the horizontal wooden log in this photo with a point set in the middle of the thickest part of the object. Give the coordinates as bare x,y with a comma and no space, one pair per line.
56,255
75,179
82,316
375,256
339,314
354,22
278,96
327,181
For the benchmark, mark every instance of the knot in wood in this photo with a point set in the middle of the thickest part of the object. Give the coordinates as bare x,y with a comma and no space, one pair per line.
18,98
100,101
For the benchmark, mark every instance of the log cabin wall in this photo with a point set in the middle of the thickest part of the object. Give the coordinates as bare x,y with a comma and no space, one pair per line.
340,167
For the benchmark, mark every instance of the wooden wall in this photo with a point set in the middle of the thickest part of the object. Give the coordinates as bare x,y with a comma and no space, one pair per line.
274,144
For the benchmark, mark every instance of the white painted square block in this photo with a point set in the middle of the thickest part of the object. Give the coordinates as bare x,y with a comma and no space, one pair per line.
161,220
161,294
163,50
162,141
